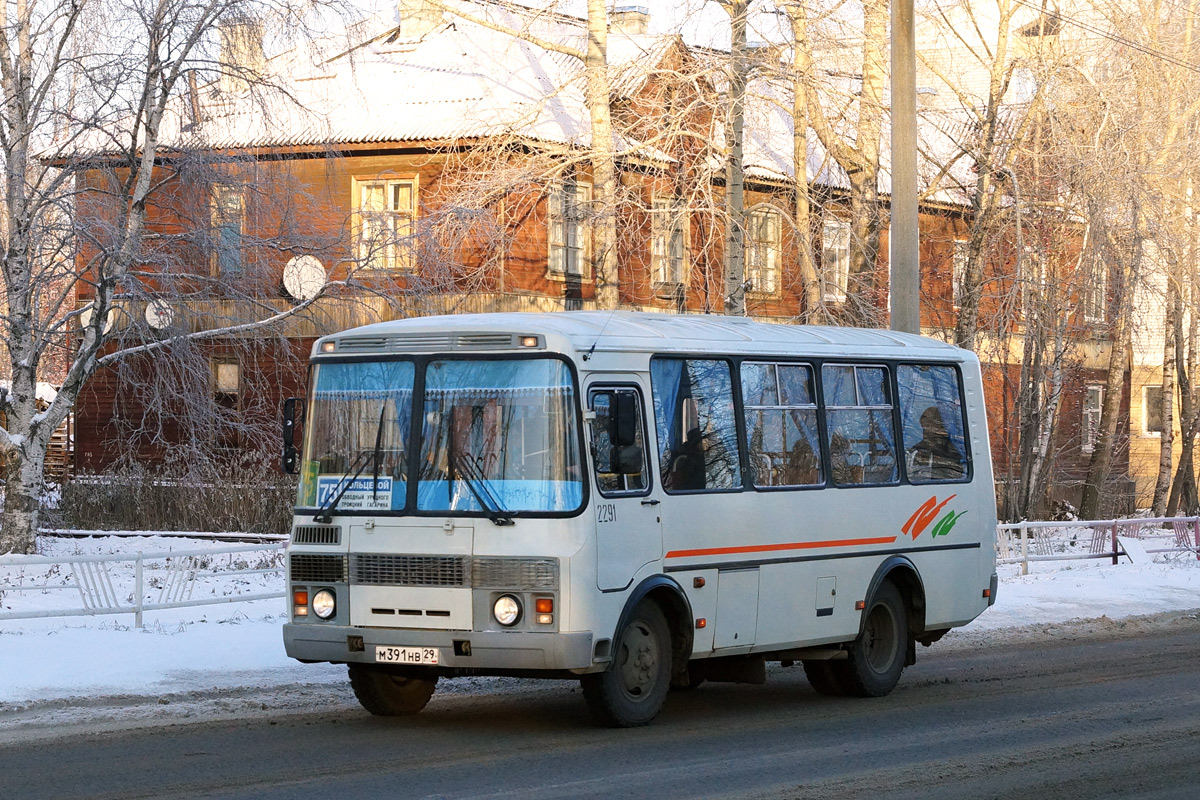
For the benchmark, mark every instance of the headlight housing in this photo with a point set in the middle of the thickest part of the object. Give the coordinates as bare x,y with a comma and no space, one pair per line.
323,604
507,610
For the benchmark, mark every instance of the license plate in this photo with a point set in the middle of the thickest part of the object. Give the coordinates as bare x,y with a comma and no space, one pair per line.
406,655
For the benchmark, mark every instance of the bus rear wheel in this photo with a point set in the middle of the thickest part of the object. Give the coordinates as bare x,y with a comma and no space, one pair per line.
632,690
877,655
387,694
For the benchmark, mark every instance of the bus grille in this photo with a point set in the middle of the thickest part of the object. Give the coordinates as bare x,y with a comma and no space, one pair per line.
386,570
480,573
308,568
317,534
515,573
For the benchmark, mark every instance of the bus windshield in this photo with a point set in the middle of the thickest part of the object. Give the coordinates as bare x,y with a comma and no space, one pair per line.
358,421
498,437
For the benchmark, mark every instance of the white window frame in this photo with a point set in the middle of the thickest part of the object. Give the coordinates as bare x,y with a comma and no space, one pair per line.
569,234
1089,428
384,235
835,272
958,269
668,241
1146,408
764,240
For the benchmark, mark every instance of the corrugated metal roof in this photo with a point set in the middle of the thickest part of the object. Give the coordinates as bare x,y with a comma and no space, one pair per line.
464,80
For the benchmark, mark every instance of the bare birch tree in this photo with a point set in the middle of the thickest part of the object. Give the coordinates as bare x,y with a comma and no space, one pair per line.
87,86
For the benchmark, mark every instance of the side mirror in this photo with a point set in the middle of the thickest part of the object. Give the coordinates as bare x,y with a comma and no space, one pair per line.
290,454
624,419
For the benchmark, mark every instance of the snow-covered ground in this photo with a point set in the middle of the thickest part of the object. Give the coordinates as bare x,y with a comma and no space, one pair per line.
228,660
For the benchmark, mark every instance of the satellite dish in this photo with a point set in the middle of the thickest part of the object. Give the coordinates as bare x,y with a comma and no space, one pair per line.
304,277
159,314
85,318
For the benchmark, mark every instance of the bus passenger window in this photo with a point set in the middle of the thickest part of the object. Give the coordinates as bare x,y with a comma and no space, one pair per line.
781,424
932,417
618,450
862,442
694,420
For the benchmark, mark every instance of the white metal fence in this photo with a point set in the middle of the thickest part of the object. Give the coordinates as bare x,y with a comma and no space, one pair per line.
1023,542
134,583
106,584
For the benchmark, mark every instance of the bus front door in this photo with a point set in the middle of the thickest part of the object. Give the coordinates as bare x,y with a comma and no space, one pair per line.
625,504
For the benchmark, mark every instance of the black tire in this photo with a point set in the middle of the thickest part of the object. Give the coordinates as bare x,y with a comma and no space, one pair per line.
877,655
825,677
632,690
385,693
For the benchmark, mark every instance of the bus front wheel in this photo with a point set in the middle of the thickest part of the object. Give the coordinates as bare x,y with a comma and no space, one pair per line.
386,694
632,690
876,657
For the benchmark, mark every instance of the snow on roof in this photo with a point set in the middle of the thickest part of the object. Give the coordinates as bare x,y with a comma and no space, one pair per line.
464,80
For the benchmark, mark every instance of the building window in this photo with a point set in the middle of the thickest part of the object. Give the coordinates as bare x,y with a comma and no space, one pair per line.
227,395
227,383
570,234
835,259
1092,404
764,235
1152,410
228,220
1094,295
387,212
958,269
667,242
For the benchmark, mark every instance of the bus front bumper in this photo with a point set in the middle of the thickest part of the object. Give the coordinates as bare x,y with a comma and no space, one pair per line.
470,650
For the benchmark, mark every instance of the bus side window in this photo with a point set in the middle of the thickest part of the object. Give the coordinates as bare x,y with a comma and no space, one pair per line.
694,420
618,448
932,418
781,424
862,442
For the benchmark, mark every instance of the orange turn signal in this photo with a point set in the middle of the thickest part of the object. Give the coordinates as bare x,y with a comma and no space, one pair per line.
987,592
544,605
859,605
300,597
702,623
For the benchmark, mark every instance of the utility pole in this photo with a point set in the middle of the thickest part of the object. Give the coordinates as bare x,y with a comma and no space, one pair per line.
904,258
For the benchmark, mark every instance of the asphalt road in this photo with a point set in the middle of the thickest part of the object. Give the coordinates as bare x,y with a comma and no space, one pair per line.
1090,718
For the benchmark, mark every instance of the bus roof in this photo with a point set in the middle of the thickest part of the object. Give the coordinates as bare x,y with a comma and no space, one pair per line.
638,331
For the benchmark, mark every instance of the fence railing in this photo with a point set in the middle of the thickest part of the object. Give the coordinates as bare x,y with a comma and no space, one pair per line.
158,581
1023,542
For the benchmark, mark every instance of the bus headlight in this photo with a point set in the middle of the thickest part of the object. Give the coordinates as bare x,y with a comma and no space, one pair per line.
323,604
507,610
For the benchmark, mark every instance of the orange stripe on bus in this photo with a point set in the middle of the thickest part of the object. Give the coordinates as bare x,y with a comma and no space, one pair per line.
768,548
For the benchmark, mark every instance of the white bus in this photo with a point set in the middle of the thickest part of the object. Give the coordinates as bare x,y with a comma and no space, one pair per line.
635,501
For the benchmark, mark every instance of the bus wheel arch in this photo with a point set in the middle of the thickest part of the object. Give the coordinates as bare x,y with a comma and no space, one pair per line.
907,580
654,630
669,596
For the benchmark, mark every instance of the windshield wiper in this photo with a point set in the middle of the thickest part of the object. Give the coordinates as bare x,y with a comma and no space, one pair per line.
479,488
324,514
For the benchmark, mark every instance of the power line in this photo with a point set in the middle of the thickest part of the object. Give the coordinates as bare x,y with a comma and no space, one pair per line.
1113,37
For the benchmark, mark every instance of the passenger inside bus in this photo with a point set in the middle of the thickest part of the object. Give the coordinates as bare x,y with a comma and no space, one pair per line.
935,457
